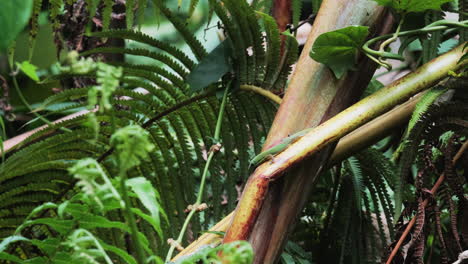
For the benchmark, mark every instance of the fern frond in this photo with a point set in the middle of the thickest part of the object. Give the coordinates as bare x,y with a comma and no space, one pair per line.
289,57
355,173
174,79
430,46
296,7
91,7
142,4
179,69
436,121
193,5
56,6
241,24
179,24
273,57
371,248
180,138
379,172
180,124
258,51
34,26
107,13
377,212
236,40
144,38
66,95
263,6
463,15
129,6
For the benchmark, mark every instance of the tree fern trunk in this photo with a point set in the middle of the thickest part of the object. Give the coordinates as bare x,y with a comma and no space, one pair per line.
313,96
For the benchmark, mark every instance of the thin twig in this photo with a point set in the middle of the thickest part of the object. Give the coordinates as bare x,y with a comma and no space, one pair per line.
203,179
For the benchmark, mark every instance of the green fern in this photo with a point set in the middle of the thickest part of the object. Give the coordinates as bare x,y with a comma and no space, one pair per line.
34,26
430,126
273,52
421,107
355,174
56,6
430,46
296,8
142,4
463,14
194,44
192,6
91,8
107,13
129,15
179,123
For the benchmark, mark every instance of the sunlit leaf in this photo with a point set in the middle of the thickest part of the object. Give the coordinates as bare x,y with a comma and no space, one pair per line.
29,69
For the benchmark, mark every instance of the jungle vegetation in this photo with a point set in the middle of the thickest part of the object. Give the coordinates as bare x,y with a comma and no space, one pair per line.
232,131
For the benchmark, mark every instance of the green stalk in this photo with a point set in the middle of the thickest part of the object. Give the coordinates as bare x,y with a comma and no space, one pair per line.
436,26
130,218
388,42
203,179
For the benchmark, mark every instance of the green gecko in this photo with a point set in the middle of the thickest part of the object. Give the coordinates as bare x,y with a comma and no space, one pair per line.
284,143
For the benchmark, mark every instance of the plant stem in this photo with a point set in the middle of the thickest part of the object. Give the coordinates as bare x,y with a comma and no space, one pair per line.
11,54
388,42
203,179
130,218
263,92
436,26
331,131
359,139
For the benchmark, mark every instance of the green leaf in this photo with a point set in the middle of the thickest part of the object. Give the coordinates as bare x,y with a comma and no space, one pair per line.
287,259
119,252
14,15
155,223
61,226
41,208
36,260
9,240
48,245
211,68
149,197
28,69
338,49
408,6
6,256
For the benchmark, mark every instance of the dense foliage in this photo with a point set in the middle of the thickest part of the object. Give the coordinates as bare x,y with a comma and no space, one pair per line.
169,106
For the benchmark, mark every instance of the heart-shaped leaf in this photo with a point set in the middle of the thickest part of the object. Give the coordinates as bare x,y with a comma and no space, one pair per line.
338,49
